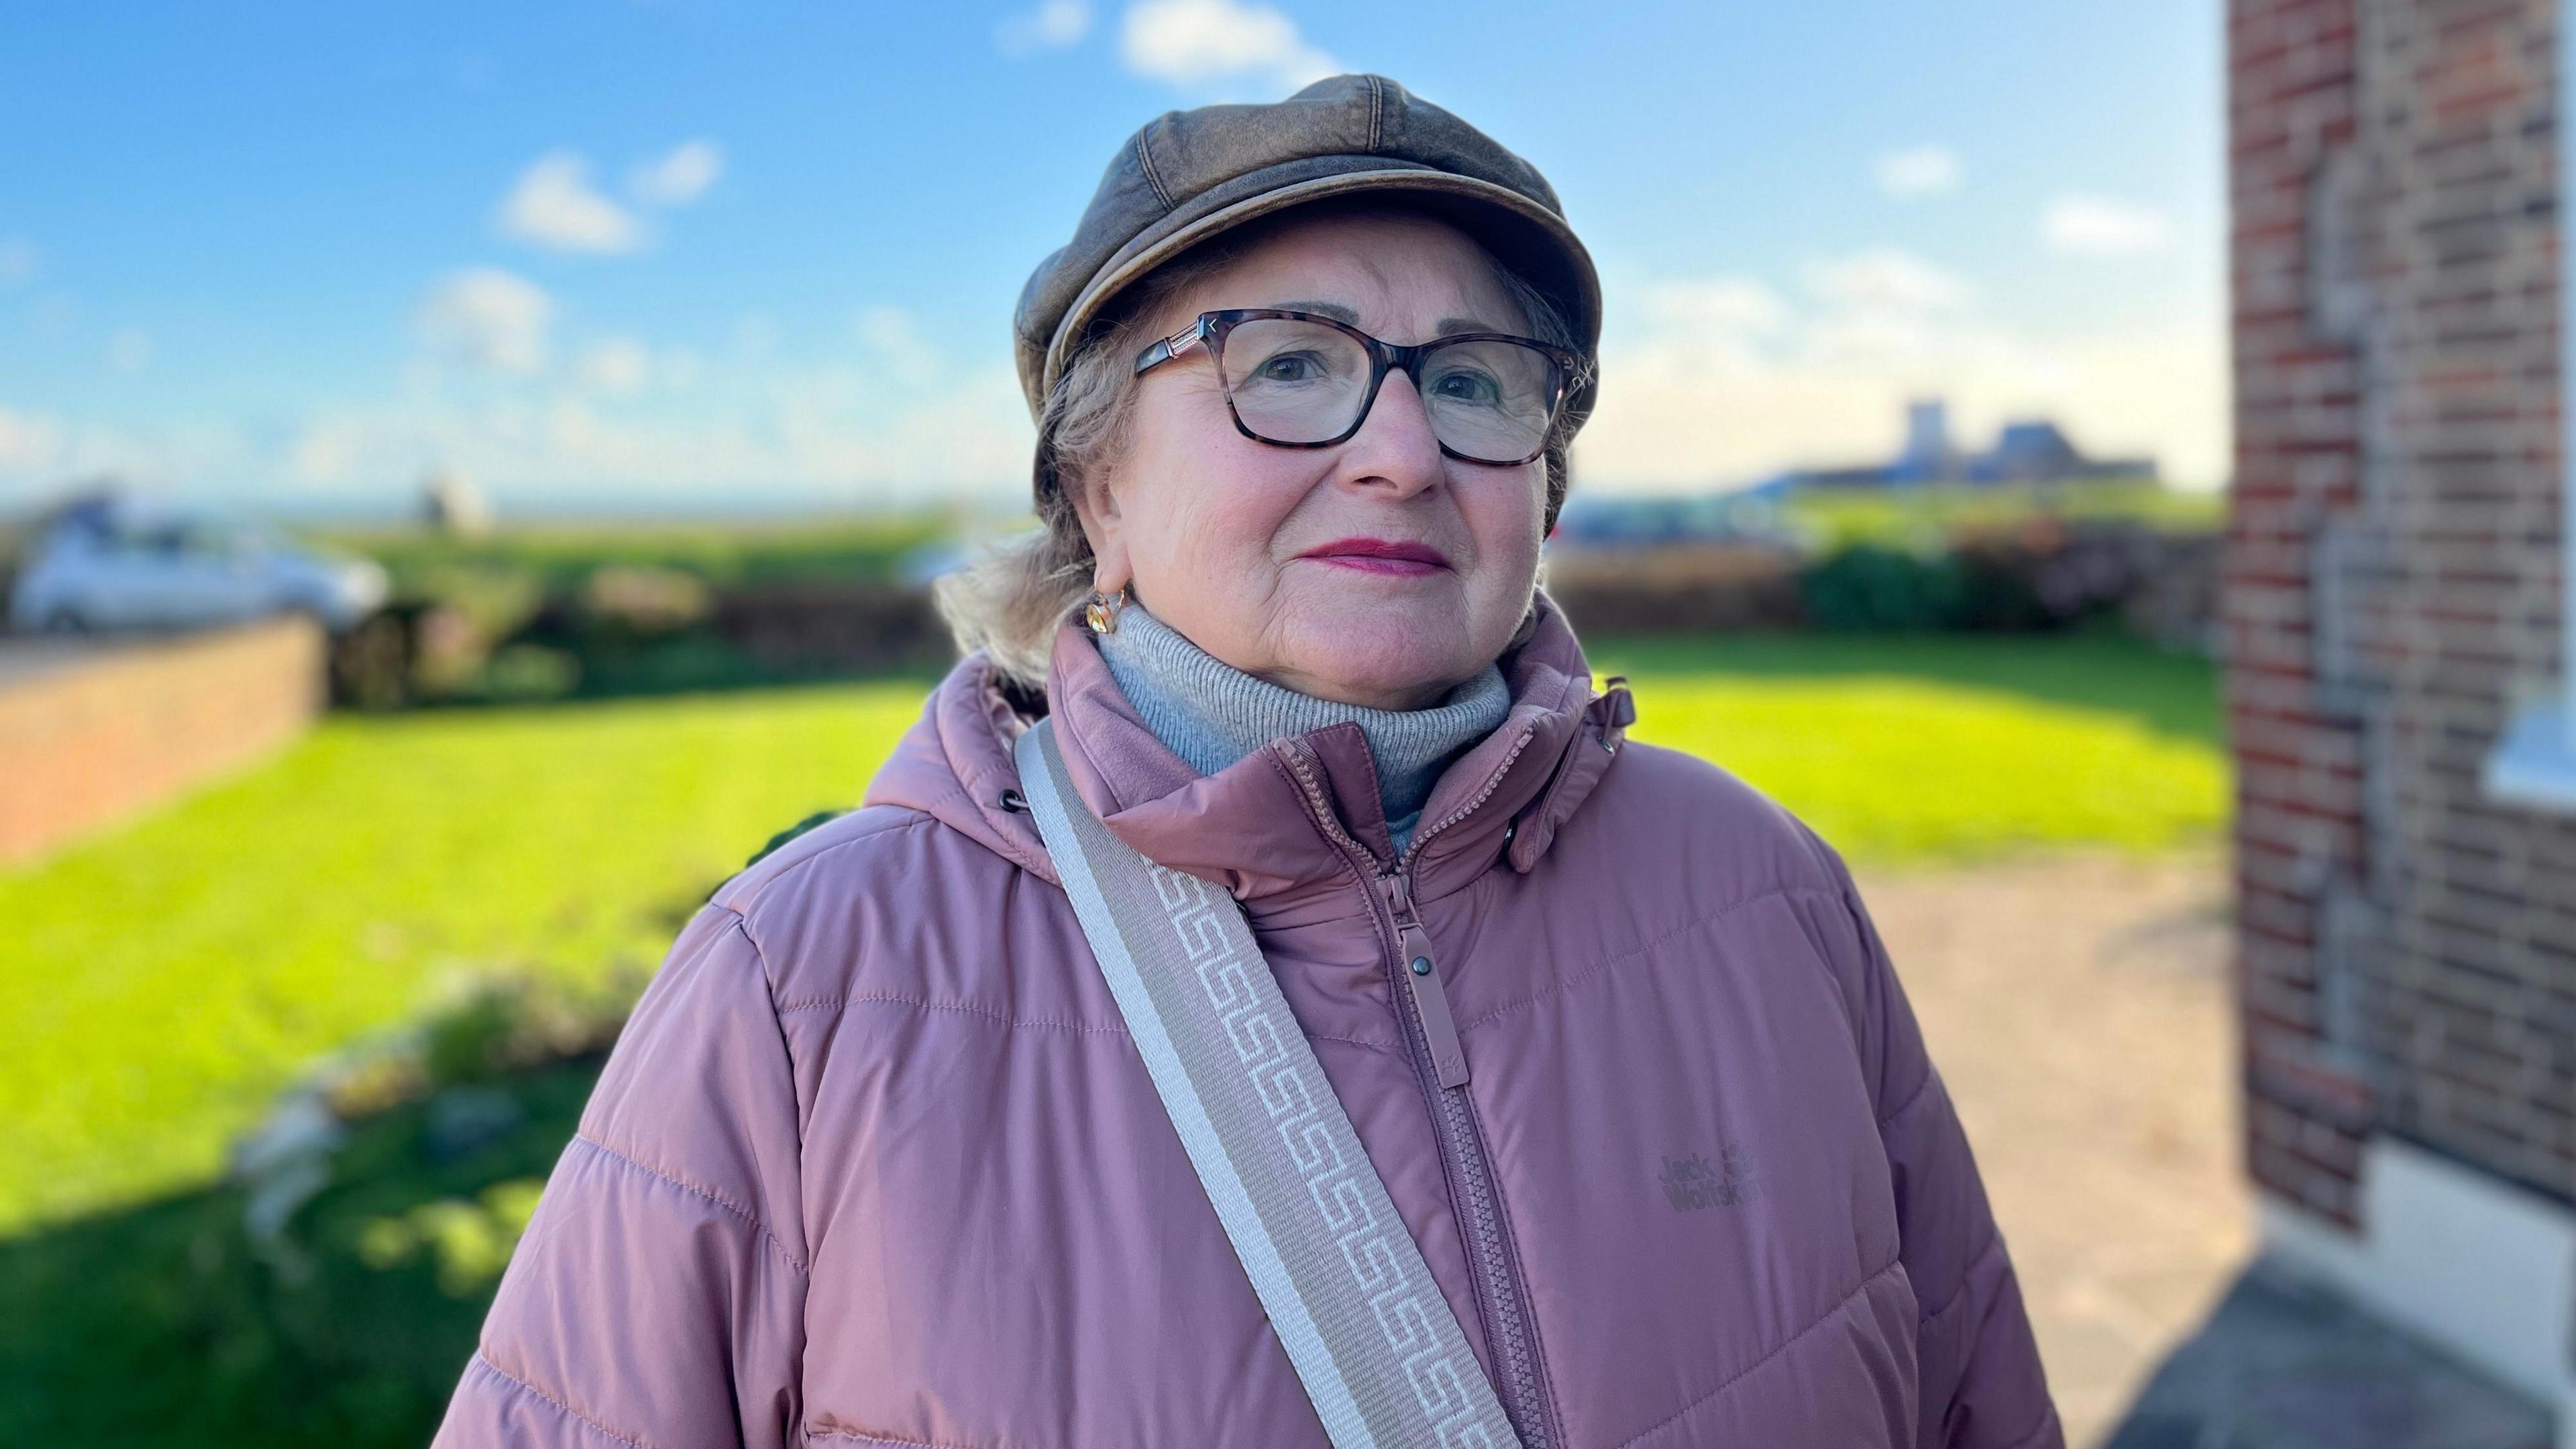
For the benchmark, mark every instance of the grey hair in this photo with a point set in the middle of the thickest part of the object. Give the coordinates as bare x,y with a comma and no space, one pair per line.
1010,597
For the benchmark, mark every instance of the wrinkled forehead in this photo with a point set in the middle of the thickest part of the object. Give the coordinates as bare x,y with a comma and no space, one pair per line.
1400,276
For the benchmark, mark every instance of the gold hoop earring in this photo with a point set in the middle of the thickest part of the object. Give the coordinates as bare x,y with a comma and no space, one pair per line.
1102,612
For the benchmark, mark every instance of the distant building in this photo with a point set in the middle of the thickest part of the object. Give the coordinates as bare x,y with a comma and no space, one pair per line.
451,504
2038,452
1928,453
2030,451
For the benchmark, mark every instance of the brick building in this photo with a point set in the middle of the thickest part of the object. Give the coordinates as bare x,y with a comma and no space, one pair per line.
2398,678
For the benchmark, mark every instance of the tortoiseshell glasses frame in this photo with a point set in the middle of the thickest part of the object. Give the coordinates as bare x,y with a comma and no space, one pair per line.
1563,365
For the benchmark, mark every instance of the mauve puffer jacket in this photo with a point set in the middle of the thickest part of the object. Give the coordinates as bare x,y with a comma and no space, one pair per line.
875,1163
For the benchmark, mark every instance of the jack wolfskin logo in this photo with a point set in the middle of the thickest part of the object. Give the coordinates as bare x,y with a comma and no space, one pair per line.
1695,1182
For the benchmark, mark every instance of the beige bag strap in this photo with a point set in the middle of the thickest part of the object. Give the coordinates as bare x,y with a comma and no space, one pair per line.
1372,1339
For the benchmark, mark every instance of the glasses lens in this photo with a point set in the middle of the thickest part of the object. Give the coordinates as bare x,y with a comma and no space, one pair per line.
1490,401
1292,381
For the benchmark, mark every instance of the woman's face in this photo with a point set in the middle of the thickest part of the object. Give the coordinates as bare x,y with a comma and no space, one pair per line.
1263,556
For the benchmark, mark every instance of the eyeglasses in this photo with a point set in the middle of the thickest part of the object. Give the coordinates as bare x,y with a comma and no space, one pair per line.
1301,381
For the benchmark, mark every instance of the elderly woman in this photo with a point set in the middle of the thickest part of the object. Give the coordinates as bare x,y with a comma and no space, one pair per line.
890,1156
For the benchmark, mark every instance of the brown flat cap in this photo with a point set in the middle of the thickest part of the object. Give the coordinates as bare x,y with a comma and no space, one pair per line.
1191,174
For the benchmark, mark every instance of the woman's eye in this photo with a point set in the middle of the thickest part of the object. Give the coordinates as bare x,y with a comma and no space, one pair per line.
1465,386
1289,367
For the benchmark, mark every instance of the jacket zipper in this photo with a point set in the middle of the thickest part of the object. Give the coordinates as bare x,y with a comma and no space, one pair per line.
1440,1070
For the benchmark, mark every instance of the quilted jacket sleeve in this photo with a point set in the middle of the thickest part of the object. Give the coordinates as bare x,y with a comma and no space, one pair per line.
658,1296
1981,1382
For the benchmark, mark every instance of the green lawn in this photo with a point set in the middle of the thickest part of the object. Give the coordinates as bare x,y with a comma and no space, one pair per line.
159,985
1947,747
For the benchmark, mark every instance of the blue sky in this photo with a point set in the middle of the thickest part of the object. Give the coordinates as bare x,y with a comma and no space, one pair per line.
669,255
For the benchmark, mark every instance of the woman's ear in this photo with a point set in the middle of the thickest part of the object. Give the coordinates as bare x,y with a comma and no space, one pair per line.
1095,504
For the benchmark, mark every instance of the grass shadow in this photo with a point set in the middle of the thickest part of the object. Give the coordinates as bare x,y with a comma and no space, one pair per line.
168,1324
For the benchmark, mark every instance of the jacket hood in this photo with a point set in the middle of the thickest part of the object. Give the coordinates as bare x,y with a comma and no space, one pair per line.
1287,824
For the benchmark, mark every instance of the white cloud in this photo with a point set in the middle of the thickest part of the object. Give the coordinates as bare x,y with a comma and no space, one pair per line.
1199,43
1731,307
489,318
819,435
680,368
894,343
553,205
1886,279
29,443
39,453
1725,380
680,177
18,259
1050,25
762,426
130,350
616,366
2101,226
1919,171
327,451
622,366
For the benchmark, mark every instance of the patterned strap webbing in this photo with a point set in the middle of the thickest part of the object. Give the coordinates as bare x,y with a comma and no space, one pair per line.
1375,1344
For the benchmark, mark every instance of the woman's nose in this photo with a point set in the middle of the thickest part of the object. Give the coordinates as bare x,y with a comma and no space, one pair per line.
1395,447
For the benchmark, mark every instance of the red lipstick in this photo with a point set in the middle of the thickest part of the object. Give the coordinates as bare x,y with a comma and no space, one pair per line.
1380,556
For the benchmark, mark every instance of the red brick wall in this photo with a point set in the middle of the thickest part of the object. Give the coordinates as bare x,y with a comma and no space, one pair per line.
2292,90
2408,946
97,739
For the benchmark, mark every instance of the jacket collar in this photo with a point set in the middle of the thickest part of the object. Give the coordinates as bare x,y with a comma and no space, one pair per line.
1287,827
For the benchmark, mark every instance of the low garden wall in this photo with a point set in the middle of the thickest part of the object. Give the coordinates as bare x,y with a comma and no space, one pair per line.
504,633
91,733
1677,588
2044,575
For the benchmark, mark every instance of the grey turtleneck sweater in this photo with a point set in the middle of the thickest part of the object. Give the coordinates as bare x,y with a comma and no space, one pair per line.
1212,714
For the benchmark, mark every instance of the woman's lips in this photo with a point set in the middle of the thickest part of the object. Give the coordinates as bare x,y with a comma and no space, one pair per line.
1380,556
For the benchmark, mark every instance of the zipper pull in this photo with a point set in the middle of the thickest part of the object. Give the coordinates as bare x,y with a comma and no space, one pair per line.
1430,999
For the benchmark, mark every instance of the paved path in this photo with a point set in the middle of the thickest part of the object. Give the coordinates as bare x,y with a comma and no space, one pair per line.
2078,1010
2283,1367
